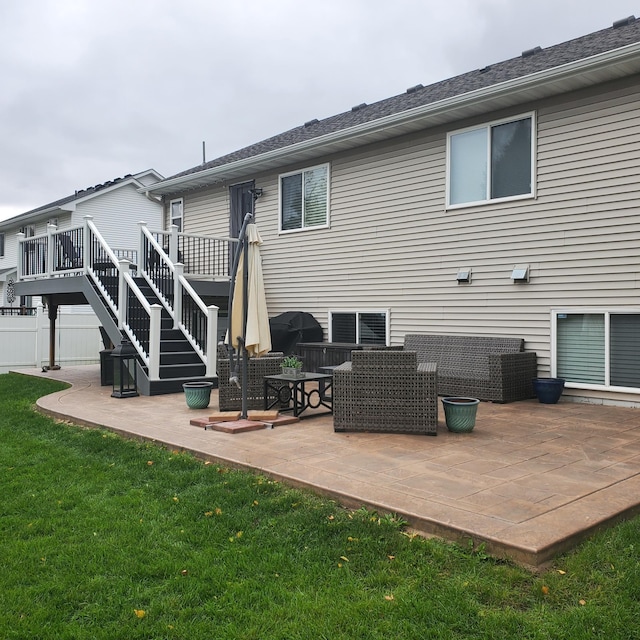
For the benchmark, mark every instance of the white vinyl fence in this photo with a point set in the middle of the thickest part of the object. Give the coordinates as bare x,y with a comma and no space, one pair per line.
24,340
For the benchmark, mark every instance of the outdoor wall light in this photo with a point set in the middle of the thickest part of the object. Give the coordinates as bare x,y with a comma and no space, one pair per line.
464,275
256,193
520,274
125,373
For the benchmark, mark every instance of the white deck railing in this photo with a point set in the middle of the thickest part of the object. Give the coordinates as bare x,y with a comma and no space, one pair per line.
163,258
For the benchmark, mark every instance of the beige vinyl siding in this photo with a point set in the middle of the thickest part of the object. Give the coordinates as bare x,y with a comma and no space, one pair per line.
207,212
393,245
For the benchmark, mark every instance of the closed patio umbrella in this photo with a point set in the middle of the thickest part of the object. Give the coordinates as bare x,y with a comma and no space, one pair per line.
249,332
257,334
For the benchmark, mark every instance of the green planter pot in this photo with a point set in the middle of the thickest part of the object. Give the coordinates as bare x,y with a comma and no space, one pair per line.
460,413
197,394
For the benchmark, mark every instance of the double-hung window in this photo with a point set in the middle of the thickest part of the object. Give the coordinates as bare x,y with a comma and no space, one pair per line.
491,162
359,327
304,199
175,213
595,349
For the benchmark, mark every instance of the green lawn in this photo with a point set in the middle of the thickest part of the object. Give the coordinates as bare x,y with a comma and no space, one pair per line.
103,537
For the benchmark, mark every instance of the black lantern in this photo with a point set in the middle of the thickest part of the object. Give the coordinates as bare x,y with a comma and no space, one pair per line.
125,374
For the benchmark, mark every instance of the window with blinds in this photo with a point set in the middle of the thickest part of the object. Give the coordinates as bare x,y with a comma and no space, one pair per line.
359,327
304,199
599,348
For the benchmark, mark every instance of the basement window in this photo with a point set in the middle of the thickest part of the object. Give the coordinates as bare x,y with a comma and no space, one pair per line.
359,327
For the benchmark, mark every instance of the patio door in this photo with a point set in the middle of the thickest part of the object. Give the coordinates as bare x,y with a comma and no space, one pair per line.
242,202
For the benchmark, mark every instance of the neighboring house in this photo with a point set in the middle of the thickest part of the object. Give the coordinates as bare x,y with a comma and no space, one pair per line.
502,202
116,206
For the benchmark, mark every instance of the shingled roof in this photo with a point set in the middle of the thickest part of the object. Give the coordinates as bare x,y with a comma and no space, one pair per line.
82,193
622,33
78,195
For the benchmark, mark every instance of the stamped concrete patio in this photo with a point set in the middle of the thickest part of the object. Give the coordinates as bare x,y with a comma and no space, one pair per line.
530,481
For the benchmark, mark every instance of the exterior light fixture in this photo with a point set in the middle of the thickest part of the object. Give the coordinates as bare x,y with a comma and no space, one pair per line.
520,274
256,193
125,374
464,275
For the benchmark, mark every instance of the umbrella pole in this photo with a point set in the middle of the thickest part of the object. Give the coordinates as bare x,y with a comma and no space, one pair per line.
242,352
245,306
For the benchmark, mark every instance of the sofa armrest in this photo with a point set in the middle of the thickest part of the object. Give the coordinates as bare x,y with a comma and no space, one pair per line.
506,362
512,374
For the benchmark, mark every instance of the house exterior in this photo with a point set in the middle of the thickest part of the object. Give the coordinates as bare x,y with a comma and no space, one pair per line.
502,202
116,206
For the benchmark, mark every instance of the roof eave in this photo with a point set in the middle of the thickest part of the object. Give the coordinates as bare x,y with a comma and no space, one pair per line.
596,69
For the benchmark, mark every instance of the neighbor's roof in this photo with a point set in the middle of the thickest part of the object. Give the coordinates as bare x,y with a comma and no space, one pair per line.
82,194
590,59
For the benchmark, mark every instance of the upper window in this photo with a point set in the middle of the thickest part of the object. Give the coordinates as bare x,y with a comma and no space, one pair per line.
491,162
1,245
28,230
304,199
597,348
175,211
359,327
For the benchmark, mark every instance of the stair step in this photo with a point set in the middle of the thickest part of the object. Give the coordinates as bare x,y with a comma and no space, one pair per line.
182,370
170,346
179,357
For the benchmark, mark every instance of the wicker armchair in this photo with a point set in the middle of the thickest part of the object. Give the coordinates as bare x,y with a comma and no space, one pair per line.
230,395
385,391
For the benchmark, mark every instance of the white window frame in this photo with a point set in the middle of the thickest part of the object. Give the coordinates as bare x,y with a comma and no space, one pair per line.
358,312
487,127
29,230
302,172
607,313
181,216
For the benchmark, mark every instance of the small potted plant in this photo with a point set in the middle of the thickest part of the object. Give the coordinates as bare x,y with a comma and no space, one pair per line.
292,366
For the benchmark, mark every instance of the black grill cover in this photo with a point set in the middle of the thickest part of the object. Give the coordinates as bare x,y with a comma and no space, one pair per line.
292,327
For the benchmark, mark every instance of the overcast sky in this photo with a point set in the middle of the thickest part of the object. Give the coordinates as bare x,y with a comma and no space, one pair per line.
94,89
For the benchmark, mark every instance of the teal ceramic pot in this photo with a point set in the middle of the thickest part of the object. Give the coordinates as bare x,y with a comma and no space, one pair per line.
460,413
197,394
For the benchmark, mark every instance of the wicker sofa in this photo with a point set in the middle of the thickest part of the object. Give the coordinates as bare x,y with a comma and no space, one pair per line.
230,395
487,368
385,391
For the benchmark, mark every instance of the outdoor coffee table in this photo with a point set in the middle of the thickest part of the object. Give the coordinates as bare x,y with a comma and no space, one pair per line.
292,393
